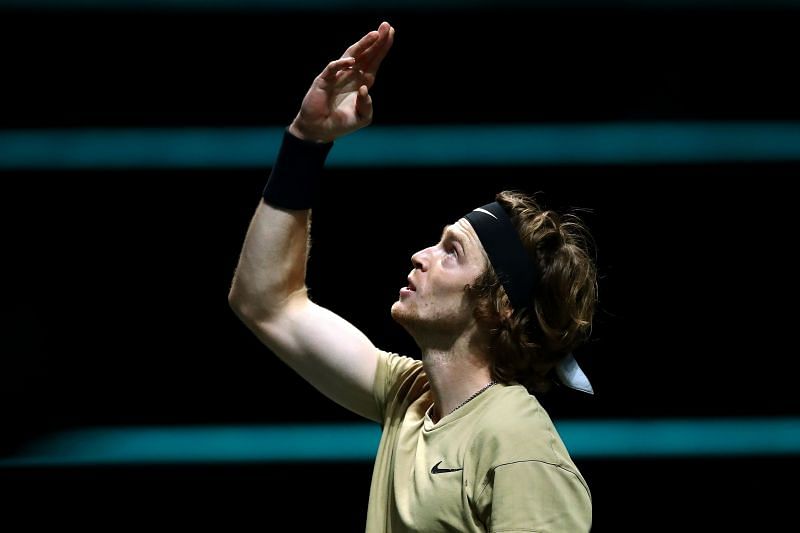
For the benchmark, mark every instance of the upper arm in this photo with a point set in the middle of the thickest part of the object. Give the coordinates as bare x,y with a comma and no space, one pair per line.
326,350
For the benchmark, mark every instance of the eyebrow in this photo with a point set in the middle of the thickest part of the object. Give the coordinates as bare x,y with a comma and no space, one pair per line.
447,231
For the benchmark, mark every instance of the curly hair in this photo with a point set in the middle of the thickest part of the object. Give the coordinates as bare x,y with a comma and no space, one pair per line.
526,344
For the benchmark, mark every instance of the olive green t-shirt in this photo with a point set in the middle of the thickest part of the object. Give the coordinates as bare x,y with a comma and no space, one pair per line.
495,464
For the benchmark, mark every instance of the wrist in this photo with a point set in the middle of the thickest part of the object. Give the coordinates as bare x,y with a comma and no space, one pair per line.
300,130
294,179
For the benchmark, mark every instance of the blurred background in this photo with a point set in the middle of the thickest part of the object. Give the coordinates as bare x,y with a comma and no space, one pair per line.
135,140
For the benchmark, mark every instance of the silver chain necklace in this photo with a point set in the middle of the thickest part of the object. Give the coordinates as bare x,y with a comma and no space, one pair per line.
493,382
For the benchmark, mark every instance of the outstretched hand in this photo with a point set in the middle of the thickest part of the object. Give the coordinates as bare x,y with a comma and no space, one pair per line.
338,101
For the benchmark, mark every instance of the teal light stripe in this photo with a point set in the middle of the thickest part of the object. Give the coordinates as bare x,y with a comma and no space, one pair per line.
202,444
664,438
615,439
373,5
406,146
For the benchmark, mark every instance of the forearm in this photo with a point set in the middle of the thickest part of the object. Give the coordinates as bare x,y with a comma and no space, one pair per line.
272,264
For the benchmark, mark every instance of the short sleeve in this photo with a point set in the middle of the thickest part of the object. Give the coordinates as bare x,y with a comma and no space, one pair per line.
393,377
536,496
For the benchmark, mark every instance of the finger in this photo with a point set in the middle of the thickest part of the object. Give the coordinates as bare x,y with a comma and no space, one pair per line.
349,75
357,48
374,56
370,52
364,104
329,73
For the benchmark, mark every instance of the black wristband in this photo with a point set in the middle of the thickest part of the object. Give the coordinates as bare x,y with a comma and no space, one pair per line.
294,180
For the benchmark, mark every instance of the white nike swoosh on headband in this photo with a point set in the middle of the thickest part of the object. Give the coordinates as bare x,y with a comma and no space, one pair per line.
482,210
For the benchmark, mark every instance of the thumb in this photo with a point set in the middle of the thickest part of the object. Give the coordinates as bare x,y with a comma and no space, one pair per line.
364,104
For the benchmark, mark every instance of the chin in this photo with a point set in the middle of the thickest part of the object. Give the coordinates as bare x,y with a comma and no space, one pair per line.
403,315
404,318
398,313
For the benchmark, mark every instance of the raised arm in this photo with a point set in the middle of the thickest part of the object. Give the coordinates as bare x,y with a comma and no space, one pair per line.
268,291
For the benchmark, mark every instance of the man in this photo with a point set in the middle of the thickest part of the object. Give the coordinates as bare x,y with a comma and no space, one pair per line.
495,306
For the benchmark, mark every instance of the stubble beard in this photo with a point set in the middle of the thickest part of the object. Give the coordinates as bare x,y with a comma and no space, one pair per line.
424,327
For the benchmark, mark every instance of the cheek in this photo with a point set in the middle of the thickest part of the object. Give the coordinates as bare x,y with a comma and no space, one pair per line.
450,292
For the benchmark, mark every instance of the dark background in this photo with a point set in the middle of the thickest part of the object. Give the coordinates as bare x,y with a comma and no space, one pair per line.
118,279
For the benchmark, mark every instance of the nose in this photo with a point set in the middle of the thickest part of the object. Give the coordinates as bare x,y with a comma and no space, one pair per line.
419,260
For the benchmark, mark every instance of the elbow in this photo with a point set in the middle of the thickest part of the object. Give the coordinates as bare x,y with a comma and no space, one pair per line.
234,303
244,311
252,310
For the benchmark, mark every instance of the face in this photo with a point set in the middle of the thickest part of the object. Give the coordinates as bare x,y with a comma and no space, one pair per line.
435,300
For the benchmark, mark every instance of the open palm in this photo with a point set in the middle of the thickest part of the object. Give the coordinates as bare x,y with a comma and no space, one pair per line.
338,101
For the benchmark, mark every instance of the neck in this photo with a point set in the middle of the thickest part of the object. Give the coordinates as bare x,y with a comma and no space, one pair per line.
454,375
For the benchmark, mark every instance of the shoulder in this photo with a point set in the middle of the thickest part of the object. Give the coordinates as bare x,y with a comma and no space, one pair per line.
515,427
397,371
399,380
398,364
516,441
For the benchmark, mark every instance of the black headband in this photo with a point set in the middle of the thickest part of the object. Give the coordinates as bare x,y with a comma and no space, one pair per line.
510,260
